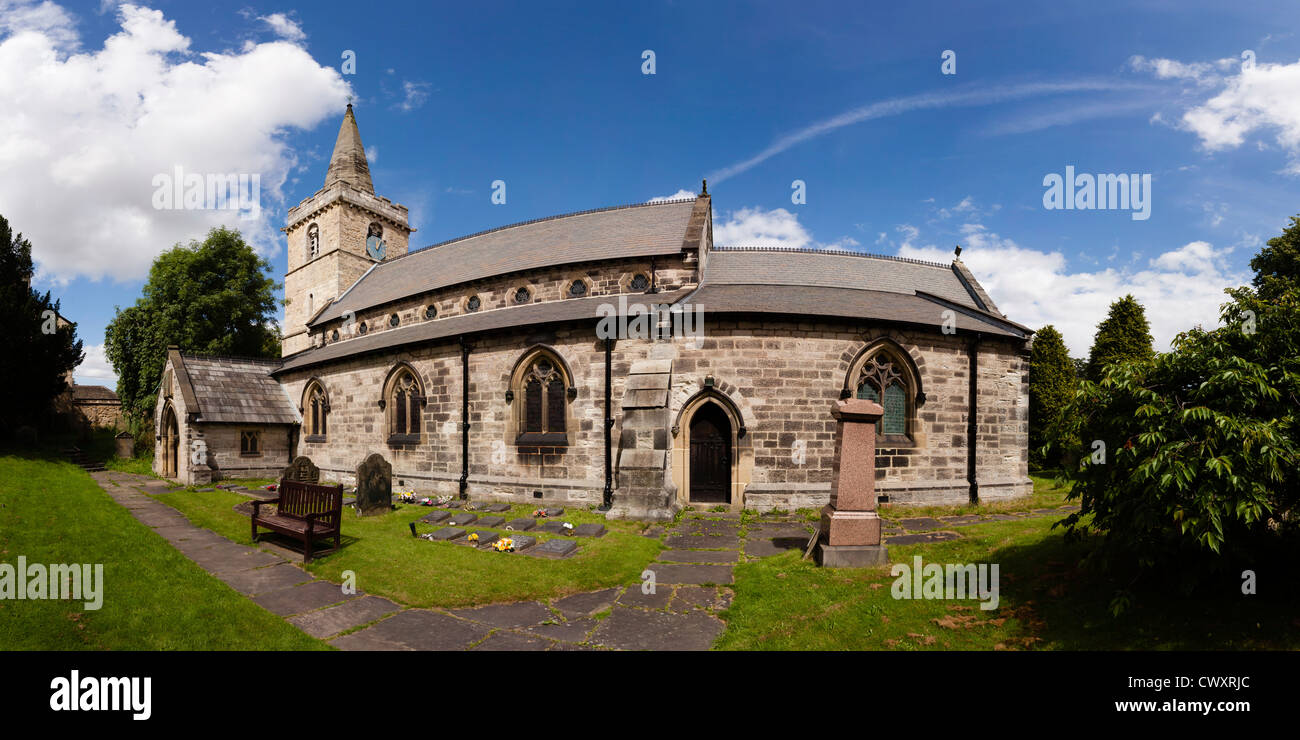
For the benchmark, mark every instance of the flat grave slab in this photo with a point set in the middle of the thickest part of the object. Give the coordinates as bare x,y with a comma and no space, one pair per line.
491,521
522,541
326,623
919,523
498,507
447,534
434,517
552,527
462,519
522,524
554,511
484,538
701,541
913,539
699,556
963,521
554,548
589,530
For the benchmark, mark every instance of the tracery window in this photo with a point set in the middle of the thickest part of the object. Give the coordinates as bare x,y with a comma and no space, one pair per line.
404,404
880,381
541,393
250,443
313,242
315,413
577,289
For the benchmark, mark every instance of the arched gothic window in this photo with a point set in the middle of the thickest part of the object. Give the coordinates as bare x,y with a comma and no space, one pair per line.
881,380
404,405
541,392
315,413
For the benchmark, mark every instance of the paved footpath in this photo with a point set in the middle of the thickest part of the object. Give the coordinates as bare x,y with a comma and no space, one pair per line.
692,581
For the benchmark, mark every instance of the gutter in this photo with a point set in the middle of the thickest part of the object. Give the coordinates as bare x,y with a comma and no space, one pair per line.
464,417
608,498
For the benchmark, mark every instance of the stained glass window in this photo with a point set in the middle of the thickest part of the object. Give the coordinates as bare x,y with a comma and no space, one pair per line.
880,373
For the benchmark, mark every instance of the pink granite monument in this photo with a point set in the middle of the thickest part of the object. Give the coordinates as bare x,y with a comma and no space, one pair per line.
850,526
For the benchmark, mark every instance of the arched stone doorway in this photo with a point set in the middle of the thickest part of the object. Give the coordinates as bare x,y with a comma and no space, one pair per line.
171,439
712,458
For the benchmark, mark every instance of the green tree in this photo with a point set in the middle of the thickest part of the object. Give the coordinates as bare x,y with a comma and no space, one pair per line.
1123,336
1277,266
1051,385
209,297
38,355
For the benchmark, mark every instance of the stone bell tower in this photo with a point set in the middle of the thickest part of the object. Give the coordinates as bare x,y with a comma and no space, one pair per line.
336,235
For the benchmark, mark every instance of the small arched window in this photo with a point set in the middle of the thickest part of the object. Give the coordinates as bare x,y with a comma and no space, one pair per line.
315,413
639,282
522,295
881,381
394,320
430,312
541,395
313,242
577,289
473,303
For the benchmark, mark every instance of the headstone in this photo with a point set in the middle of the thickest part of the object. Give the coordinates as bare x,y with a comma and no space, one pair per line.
499,508
556,548
589,530
552,527
521,524
303,470
491,521
374,485
434,517
850,526
463,518
125,445
555,511
486,538
447,533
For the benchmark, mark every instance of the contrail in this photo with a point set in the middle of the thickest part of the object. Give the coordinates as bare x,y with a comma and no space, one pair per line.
898,106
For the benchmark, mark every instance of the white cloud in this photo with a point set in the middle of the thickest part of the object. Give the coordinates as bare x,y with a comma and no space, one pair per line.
755,227
1265,97
682,194
372,154
415,94
95,369
85,134
44,19
1180,288
283,26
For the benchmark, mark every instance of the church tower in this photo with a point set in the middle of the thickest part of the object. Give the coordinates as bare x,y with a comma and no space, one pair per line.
336,235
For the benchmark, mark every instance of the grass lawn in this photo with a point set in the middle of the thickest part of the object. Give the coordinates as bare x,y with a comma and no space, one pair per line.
154,598
785,603
389,562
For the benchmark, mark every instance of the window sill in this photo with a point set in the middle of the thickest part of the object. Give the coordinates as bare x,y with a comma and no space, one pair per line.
403,440
894,440
539,439
314,438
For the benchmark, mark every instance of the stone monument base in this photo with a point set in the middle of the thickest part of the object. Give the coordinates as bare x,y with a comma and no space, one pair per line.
851,556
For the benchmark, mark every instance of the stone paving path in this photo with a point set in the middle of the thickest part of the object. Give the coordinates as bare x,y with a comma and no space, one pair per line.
691,578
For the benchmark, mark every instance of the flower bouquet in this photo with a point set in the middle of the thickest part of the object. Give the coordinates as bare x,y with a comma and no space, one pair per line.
473,537
504,544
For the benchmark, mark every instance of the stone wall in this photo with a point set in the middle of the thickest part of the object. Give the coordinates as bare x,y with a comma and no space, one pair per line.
779,380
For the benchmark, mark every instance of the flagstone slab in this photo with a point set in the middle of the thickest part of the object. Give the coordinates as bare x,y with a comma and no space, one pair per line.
915,539
766,531
963,521
504,641
692,574
415,629
325,623
691,598
586,604
920,523
658,599
305,598
766,548
636,629
574,630
702,542
261,580
508,616
699,556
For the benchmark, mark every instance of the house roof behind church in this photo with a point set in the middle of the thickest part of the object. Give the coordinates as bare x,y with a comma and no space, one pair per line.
92,393
237,390
626,231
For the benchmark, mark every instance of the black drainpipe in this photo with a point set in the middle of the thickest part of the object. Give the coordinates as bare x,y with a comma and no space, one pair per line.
972,420
464,418
608,499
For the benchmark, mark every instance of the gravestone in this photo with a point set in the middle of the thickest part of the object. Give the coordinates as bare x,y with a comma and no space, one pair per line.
491,521
522,541
521,523
589,530
552,527
447,533
555,548
303,470
434,517
486,538
374,485
124,445
463,518
849,533
498,508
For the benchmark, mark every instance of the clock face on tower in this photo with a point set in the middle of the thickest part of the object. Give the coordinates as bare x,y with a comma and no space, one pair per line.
375,244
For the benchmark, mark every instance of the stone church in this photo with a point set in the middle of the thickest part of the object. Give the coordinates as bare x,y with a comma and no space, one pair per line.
614,357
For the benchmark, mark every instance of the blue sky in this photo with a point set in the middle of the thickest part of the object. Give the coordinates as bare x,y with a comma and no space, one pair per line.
897,157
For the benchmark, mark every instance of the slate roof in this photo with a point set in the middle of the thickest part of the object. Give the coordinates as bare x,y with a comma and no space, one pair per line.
92,393
534,314
640,230
236,390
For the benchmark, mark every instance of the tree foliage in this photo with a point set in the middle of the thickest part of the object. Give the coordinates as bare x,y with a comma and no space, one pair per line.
1124,336
1277,266
1201,465
209,297
38,354
1051,384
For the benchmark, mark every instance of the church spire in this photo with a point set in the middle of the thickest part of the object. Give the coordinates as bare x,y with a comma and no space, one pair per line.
348,163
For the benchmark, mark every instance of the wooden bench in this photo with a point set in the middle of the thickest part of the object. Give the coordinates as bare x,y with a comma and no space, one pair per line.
305,511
